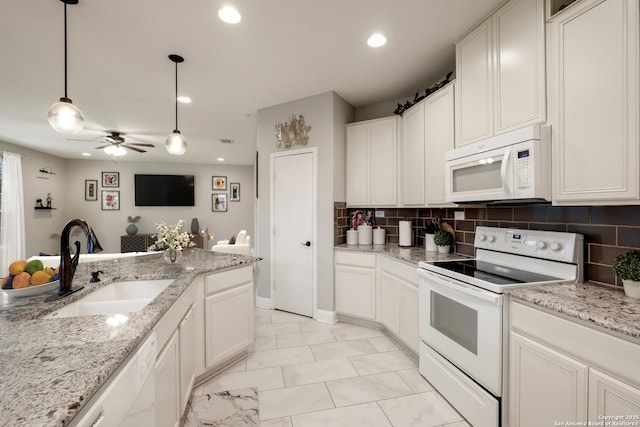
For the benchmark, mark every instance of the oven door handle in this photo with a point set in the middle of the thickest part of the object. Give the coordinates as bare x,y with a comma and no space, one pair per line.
456,286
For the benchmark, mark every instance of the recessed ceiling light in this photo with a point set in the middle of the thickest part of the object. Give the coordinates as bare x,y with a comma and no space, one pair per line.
377,40
221,159
229,14
184,99
86,154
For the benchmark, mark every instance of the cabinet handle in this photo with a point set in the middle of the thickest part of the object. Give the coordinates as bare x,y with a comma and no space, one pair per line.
307,243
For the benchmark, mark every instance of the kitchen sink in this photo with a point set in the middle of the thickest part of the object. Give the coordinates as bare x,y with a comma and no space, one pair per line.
117,297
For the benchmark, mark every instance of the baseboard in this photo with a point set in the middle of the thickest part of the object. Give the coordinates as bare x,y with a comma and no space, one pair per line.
326,316
262,302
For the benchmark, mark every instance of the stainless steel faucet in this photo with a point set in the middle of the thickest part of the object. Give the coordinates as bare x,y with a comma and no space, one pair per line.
67,264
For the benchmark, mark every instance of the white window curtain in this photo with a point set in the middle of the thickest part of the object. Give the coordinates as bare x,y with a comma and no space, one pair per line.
12,241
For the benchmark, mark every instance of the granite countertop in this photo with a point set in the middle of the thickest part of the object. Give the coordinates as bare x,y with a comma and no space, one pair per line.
595,305
411,255
49,368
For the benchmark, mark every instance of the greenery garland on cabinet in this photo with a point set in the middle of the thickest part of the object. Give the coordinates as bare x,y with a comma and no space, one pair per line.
402,108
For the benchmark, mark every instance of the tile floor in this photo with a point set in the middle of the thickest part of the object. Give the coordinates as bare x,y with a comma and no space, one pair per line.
310,374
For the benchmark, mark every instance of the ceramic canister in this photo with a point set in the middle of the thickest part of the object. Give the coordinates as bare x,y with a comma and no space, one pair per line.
365,235
352,237
379,236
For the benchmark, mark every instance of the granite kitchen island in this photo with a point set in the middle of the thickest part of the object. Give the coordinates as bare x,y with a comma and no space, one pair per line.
52,367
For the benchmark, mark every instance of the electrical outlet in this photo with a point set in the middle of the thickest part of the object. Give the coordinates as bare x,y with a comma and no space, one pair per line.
379,214
458,215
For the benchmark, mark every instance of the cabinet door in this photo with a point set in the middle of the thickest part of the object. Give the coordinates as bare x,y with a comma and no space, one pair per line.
594,99
228,323
608,396
474,78
384,162
439,138
168,384
544,386
409,317
519,74
356,291
413,151
357,160
187,330
390,304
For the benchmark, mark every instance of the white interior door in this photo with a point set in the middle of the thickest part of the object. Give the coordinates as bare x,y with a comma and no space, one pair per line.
293,219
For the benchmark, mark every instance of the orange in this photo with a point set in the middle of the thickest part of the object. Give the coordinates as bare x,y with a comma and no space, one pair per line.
17,267
21,280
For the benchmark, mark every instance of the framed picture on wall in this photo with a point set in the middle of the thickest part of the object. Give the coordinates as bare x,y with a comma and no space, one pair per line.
91,189
219,202
218,182
110,200
111,179
234,190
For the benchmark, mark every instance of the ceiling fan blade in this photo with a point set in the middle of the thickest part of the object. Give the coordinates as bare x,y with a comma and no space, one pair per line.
75,139
102,146
141,145
133,148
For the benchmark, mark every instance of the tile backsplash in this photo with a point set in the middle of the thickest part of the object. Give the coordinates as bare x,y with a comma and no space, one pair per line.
608,230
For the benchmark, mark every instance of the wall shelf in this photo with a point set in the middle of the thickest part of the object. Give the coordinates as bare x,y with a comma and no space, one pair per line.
44,208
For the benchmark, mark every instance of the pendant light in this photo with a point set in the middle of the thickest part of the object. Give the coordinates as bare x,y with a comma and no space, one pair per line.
176,143
63,115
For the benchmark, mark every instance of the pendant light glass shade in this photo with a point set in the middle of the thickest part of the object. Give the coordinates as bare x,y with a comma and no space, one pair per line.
176,143
65,117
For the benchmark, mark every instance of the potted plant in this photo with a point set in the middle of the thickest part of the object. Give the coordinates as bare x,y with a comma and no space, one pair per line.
443,239
429,234
627,267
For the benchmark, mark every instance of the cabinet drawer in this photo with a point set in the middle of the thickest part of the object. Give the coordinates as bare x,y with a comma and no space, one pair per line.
356,259
400,269
608,352
217,282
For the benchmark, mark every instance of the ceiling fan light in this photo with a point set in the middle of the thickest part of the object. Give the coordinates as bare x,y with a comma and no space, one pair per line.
176,143
65,117
115,150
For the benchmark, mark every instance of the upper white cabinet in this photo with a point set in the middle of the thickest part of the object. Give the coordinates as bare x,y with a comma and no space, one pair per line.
593,69
500,73
372,162
428,134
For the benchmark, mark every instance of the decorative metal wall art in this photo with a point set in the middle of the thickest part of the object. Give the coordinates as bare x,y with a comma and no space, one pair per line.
292,133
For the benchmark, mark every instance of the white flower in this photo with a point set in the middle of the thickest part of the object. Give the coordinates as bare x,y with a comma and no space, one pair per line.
171,237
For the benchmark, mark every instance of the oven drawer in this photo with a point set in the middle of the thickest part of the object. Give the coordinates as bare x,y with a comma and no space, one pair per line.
478,406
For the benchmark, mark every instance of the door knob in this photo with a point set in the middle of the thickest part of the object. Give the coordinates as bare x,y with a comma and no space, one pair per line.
307,243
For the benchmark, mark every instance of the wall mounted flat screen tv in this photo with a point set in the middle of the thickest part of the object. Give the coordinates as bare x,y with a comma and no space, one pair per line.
164,190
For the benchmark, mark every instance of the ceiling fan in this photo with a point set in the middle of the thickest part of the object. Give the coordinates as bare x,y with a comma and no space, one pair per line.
115,143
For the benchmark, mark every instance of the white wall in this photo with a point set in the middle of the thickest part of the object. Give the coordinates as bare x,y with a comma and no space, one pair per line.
327,114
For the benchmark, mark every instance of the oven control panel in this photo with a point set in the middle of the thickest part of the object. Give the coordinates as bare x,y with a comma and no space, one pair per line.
557,246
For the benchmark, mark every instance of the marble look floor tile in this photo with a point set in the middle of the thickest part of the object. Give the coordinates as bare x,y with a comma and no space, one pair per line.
237,367
414,380
382,362
280,357
285,317
299,339
261,379
276,329
236,408
369,388
424,410
355,332
277,422
257,311
315,325
342,349
365,415
383,344
267,342
294,400
316,372
264,319
197,390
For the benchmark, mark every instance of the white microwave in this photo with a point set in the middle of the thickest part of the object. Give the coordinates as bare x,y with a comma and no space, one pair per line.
514,166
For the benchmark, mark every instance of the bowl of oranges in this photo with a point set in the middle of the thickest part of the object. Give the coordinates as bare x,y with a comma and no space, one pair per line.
27,278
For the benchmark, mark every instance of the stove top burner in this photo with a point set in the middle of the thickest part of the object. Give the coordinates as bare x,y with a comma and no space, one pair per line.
493,273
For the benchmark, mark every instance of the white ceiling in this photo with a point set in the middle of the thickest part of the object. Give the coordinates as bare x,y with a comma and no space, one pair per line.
282,50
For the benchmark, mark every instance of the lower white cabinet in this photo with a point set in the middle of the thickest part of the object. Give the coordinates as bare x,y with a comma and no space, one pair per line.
168,383
399,301
187,333
355,284
228,313
560,371
390,302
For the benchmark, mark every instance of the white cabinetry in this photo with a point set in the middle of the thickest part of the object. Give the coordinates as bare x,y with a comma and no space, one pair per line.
371,162
575,373
594,98
355,284
399,301
500,73
228,315
187,333
168,384
413,156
